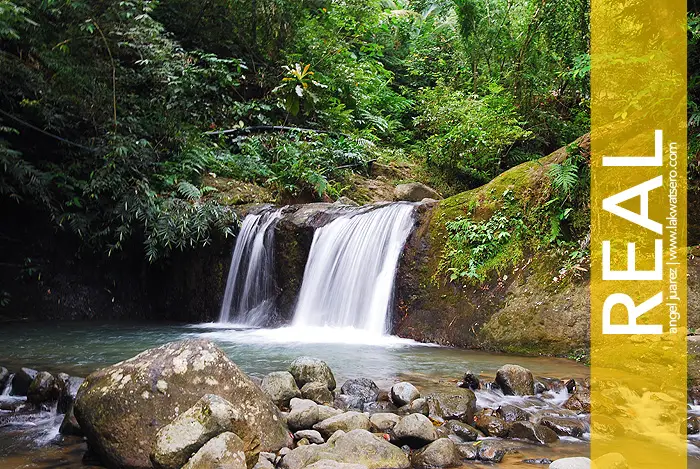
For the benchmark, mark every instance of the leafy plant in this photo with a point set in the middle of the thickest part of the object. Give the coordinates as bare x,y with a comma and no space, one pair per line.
298,88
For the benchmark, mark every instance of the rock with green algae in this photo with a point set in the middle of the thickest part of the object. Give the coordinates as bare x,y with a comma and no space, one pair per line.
208,418
281,387
120,408
223,451
357,447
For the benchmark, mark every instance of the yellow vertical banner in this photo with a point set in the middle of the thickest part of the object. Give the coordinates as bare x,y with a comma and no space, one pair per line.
638,233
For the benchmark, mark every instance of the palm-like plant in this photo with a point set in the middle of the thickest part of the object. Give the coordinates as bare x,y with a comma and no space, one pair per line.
298,88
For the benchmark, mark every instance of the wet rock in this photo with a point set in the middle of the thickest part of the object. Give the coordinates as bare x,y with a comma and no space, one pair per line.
514,380
554,412
4,377
225,450
357,447
440,453
467,451
346,422
309,370
532,432
470,381
384,422
611,461
580,401
188,432
490,423
364,389
281,387
460,404
511,413
491,451
420,406
304,414
379,407
564,427
121,407
415,430
462,430
69,391
23,378
70,425
537,461
692,426
415,192
571,463
328,464
552,384
570,385
540,387
345,402
43,388
317,392
404,393
311,435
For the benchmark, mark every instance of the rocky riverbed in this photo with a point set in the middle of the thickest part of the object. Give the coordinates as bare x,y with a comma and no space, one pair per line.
187,405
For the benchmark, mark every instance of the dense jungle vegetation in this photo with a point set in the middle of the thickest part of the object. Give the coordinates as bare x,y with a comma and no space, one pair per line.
112,113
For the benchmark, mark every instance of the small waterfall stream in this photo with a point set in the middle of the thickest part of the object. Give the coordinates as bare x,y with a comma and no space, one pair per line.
349,276
250,286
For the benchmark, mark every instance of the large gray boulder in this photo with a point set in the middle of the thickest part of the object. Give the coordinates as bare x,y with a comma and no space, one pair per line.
462,430
532,432
363,389
43,388
515,380
21,381
440,453
281,387
384,422
572,463
357,447
404,393
491,423
346,422
304,414
459,404
415,430
209,417
415,192
120,408
309,370
317,392
223,451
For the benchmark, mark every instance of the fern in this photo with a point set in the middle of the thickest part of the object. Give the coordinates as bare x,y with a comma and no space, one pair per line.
564,176
189,191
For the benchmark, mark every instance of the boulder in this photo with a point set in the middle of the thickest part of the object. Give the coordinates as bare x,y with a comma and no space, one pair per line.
326,412
564,427
311,435
532,432
491,451
225,450
415,192
264,464
317,392
346,402
121,407
308,370
462,430
209,417
384,422
440,453
281,387
491,424
44,388
304,414
343,200
514,380
362,388
511,413
579,401
69,391
470,381
379,407
69,425
571,463
415,430
404,393
346,422
357,447
328,464
692,425
20,383
420,406
460,404
467,451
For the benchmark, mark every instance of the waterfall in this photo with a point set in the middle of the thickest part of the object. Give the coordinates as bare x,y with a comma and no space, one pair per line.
250,287
349,276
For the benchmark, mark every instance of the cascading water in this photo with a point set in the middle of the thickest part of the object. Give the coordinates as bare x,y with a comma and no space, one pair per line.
250,287
349,276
